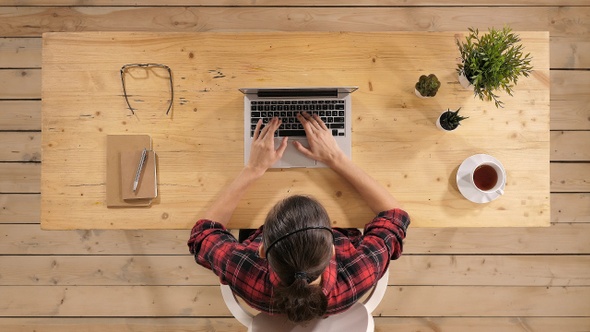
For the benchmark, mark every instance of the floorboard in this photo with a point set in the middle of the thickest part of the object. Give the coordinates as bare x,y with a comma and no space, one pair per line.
449,280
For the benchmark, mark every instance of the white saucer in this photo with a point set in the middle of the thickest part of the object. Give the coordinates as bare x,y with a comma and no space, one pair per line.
465,185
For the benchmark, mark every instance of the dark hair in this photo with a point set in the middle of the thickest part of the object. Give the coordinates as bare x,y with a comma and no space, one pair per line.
298,242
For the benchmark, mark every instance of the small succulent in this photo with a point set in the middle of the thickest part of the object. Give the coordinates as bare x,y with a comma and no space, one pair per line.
450,120
428,85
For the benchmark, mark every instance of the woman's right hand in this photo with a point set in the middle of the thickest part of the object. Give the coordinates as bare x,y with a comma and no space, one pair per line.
322,145
263,153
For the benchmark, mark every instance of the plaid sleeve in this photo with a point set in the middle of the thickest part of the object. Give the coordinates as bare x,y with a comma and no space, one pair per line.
386,230
211,244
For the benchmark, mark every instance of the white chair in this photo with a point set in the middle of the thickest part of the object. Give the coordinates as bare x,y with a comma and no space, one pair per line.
358,318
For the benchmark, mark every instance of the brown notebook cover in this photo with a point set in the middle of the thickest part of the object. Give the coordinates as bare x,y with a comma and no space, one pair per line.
115,145
146,187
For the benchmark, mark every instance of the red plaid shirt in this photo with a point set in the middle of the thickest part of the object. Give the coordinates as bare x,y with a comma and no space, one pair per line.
360,260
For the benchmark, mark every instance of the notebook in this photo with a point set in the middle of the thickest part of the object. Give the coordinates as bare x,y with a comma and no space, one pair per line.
332,104
116,144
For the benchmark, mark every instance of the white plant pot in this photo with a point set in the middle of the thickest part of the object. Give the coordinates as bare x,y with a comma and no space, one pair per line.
465,82
439,126
419,95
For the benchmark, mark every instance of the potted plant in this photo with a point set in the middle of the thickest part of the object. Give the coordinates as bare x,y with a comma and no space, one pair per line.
491,62
450,120
427,86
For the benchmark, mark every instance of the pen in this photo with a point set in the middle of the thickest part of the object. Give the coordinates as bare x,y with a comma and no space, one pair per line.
139,168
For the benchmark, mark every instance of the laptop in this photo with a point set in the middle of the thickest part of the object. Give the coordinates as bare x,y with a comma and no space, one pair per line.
332,104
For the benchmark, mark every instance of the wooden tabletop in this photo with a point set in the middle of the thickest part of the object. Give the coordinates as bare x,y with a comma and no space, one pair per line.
200,144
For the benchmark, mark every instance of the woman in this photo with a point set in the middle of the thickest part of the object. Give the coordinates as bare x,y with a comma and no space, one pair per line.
296,264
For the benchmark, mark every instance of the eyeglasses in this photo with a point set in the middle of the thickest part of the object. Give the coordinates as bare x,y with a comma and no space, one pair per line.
126,67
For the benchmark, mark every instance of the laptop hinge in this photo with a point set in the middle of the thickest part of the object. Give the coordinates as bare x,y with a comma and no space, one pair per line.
294,93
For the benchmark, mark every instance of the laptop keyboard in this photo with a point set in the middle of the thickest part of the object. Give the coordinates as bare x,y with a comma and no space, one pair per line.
329,110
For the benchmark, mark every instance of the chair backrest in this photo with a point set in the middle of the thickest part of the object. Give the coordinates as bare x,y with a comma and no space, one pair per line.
357,318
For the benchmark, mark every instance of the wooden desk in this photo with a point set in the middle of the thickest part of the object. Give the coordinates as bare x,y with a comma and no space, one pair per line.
200,144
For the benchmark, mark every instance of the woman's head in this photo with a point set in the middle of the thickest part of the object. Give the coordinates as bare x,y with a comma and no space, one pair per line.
298,244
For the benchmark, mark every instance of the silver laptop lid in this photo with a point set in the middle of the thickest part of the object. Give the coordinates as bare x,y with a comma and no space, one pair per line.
282,92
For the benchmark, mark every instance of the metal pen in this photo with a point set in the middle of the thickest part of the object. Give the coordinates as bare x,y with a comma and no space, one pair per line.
139,168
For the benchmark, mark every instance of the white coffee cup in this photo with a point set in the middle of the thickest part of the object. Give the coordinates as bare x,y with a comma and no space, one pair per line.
488,177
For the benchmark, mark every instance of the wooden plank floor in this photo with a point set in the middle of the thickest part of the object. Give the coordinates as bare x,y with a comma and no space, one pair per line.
448,280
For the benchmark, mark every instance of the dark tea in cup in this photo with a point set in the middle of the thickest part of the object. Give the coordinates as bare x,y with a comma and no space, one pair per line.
485,177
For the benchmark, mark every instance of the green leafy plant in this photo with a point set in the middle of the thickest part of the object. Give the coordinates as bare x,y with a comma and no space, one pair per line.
428,85
450,120
493,61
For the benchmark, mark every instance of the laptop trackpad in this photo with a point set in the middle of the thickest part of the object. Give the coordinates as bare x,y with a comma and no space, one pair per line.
292,157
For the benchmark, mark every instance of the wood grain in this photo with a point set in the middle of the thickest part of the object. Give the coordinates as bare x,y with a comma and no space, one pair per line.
570,177
570,101
20,146
409,270
162,301
482,324
20,208
33,21
20,114
570,51
20,178
567,207
297,3
130,324
562,238
183,301
26,52
76,122
570,146
455,256
465,301
20,52
220,324
24,83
